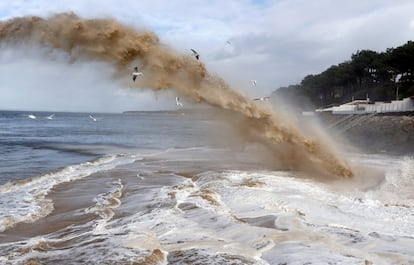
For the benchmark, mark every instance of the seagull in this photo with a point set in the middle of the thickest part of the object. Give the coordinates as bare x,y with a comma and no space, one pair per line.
31,116
136,73
262,98
92,117
177,101
50,117
253,82
197,56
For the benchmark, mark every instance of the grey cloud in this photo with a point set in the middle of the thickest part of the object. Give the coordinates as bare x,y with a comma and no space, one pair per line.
38,79
277,43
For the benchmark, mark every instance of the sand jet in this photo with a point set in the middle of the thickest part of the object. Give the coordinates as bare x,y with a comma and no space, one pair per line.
109,41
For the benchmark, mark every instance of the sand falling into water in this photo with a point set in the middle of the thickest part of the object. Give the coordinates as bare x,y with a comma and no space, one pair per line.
123,46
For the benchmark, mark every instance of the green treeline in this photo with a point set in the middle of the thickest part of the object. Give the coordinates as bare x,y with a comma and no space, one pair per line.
382,76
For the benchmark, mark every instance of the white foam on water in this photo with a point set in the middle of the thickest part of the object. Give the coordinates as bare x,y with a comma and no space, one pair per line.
25,201
399,185
241,217
105,205
351,226
311,221
87,248
198,221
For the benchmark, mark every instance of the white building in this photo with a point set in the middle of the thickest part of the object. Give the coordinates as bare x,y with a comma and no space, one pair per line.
366,107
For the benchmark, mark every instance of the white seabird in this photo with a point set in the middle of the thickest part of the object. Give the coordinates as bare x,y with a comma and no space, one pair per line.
262,98
253,82
195,53
31,116
50,117
136,73
92,117
177,101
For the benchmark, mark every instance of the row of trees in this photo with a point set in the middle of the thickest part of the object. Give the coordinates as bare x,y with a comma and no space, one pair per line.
380,76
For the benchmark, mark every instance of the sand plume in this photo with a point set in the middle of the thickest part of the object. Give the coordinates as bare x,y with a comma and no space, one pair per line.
123,46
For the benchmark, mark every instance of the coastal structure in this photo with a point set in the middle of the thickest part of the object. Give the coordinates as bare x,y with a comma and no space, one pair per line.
368,107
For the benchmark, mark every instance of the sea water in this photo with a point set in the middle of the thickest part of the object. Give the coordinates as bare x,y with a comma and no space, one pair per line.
160,188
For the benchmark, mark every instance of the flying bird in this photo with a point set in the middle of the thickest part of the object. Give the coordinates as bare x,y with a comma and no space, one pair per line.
136,73
31,116
177,101
50,117
92,117
228,42
253,82
195,53
262,98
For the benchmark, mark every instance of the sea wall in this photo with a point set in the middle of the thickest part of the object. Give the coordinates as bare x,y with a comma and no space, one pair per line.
380,133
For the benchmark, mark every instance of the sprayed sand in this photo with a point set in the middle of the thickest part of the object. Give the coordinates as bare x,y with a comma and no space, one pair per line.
123,46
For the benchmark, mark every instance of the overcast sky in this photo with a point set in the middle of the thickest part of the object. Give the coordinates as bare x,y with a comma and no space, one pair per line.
275,42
